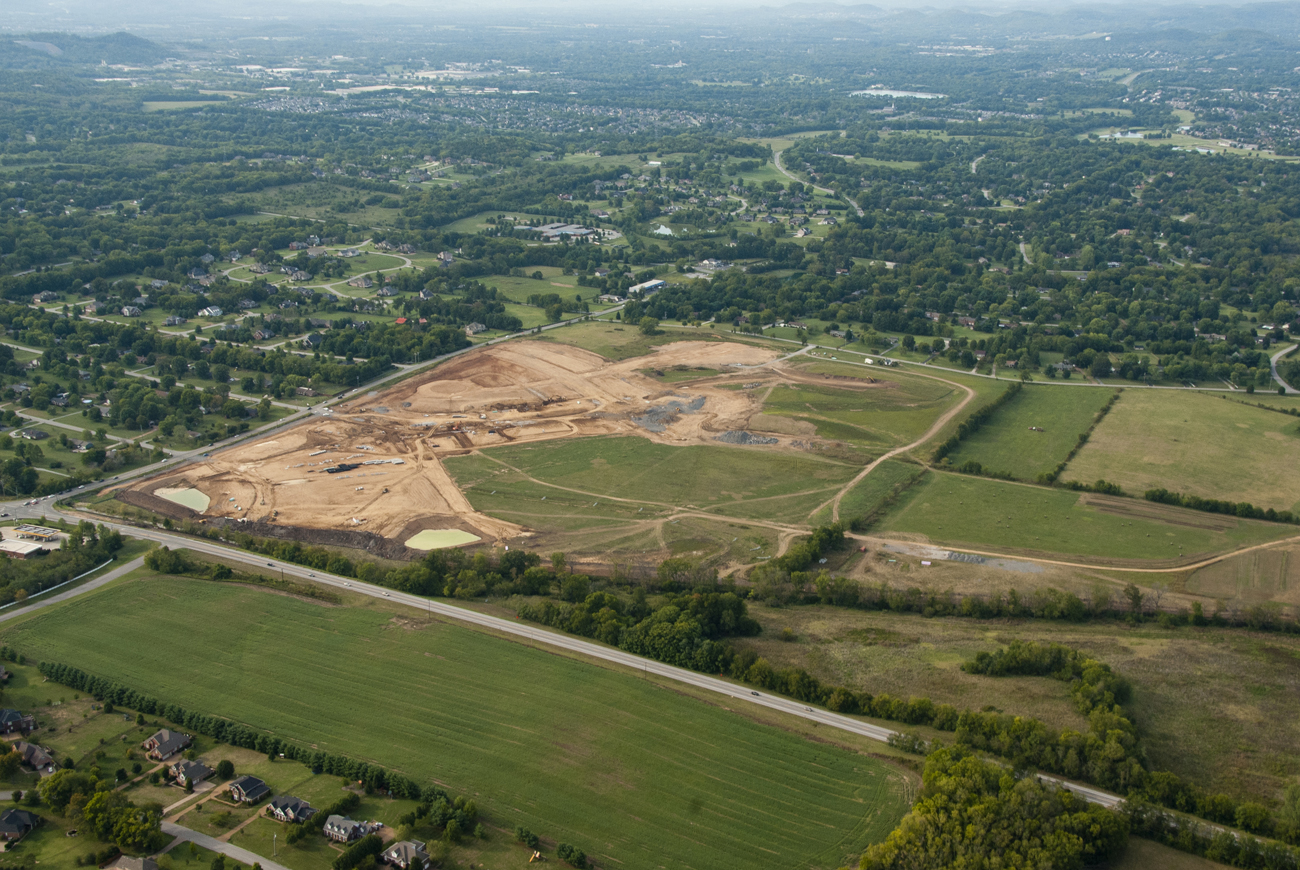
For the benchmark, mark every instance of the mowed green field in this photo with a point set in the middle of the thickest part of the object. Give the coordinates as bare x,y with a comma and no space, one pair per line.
646,477
1198,444
615,341
635,773
1007,444
957,510
872,491
895,411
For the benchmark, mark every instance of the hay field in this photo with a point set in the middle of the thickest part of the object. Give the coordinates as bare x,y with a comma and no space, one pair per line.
976,512
639,774
1198,444
1006,443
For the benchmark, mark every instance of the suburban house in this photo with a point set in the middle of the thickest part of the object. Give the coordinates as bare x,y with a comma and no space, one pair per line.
475,329
190,772
313,340
287,808
130,311
299,275
14,824
361,282
34,756
173,321
408,855
164,744
249,789
14,722
344,830
45,296
211,311
126,862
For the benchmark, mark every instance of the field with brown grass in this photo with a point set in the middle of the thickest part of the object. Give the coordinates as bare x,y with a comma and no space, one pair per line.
1198,444
1218,706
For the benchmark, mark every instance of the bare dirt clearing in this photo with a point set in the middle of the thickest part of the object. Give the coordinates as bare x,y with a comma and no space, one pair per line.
374,464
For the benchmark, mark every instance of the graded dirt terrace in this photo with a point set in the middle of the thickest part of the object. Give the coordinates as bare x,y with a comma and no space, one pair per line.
390,444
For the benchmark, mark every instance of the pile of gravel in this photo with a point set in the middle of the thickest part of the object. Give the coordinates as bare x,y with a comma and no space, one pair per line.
659,417
740,436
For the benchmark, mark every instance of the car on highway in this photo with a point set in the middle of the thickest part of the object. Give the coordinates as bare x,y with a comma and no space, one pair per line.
386,595
269,565
755,694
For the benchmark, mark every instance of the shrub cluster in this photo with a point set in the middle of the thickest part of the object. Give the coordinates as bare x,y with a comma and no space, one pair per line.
1092,683
370,844
166,561
571,855
969,807
1243,509
683,630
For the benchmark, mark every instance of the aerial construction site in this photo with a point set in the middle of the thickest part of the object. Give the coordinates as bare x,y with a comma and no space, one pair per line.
373,463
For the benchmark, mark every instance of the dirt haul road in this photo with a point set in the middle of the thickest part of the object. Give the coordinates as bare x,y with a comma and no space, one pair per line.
374,463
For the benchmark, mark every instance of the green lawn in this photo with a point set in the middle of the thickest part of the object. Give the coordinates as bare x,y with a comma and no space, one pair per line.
616,341
636,773
871,492
897,411
1195,443
1006,443
978,512
641,471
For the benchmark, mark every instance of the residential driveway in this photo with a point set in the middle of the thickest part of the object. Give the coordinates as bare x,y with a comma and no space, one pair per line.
243,856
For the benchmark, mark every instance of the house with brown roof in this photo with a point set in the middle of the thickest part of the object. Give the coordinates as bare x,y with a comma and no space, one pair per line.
165,743
34,756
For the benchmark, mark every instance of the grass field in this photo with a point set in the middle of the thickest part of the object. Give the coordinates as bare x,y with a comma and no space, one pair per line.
978,512
1195,443
92,737
616,341
985,389
872,491
1216,706
640,472
896,413
634,772
1007,444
